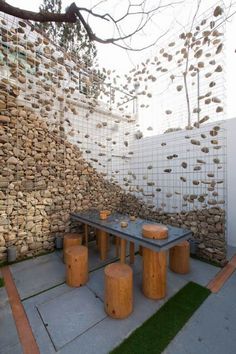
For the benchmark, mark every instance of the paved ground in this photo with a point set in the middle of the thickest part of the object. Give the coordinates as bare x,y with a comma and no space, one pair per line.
9,342
212,328
72,321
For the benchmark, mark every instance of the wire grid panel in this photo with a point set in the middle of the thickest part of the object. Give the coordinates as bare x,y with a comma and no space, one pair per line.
151,168
186,170
180,171
73,100
188,65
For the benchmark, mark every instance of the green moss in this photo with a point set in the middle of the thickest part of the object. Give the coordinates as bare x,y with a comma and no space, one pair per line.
157,332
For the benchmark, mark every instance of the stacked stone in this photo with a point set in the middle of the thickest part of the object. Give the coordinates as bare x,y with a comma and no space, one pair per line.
42,179
207,225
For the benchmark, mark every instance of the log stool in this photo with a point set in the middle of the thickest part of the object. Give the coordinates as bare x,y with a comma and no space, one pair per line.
118,290
76,266
179,258
69,240
154,264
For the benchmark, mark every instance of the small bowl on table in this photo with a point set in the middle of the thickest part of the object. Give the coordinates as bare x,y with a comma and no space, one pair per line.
124,223
104,214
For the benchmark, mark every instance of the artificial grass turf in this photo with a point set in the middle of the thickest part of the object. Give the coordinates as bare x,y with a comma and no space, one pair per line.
155,334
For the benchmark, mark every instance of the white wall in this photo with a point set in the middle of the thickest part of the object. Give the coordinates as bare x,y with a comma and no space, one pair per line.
204,175
148,151
230,126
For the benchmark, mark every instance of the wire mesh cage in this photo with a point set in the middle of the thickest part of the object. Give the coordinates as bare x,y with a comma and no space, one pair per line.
180,171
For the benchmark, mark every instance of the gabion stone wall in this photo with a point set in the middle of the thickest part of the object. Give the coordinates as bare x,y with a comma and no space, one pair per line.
207,225
59,153
42,179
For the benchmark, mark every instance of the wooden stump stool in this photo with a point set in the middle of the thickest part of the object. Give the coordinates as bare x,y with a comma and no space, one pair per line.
154,264
76,266
179,258
118,290
71,239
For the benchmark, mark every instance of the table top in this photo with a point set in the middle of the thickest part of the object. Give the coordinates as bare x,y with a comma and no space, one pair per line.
133,232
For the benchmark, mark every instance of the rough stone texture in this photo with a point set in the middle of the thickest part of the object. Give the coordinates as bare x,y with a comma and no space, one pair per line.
207,225
43,178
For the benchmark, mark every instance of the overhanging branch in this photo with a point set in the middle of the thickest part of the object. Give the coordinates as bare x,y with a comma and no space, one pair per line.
69,16
75,13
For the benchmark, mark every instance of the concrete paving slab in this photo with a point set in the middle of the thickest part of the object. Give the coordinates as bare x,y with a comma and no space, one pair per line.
9,341
41,273
107,334
63,335
212,328
200,272
231,251
144,308
42,336
69,315
15,349
96,278
38,274
94,259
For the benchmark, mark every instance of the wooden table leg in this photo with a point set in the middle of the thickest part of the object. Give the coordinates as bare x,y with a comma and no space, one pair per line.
86,234
103,244
154,273
98,241
122,250
108,242
131,252
117,246
140,250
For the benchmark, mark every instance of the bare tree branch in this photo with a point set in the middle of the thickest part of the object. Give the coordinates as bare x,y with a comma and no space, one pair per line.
69,16
75,13
186,67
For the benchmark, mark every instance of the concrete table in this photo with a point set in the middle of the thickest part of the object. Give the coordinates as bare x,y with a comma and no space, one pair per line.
133,233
